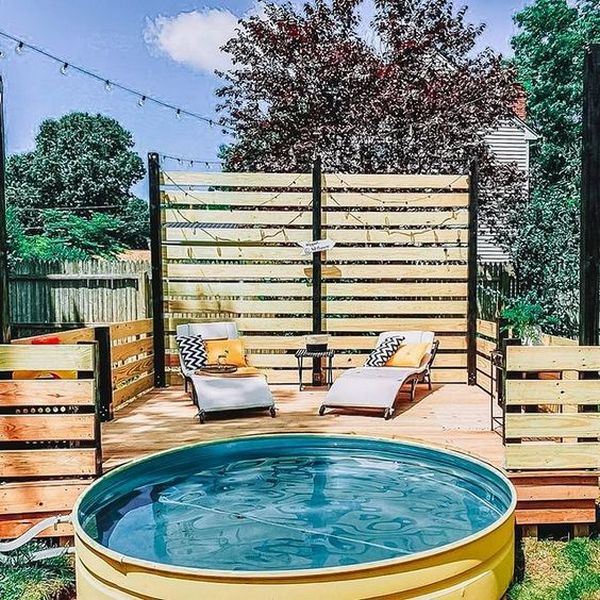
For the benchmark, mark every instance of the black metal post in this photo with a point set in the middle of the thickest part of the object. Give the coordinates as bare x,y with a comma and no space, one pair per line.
157,270
316,263
472,275
4,306
105,390
589,287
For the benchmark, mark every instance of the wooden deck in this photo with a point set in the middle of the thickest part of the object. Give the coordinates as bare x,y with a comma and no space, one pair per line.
455,416
452,415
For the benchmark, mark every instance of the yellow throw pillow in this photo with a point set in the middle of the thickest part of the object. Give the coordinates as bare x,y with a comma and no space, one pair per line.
228,352
409,355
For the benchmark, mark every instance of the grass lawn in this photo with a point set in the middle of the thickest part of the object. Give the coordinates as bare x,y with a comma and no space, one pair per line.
559,571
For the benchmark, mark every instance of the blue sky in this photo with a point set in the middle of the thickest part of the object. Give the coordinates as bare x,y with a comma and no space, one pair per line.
155,46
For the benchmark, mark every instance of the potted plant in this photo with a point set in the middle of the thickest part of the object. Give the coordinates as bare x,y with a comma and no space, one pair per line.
524,320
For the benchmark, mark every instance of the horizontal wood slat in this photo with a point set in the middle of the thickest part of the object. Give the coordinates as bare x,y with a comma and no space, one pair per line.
360,235
131,369
85,334
553,358
336,342
258,271
13,527
336,307
127,329
552,425
266,200
246,180
550,455
43,427
47,358
380,181
40,496
243,289
563,392
48,463
487,328
457,218
56,392
279,254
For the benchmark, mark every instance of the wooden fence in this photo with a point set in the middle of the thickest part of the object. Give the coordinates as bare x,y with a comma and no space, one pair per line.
230,250
49,434
131,359
47,296
126,359
552,418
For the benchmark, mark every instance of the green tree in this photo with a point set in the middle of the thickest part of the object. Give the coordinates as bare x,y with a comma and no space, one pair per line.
82,165
549,50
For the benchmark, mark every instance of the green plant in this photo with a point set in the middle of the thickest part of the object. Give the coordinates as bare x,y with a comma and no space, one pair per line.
525,319
21,578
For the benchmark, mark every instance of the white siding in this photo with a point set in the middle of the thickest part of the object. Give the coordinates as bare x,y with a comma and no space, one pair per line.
510,144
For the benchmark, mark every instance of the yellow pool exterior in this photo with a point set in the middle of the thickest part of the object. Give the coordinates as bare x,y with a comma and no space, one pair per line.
479,567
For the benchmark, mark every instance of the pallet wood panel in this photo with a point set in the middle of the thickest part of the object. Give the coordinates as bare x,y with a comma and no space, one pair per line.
49,429
74,336
47,358
553,417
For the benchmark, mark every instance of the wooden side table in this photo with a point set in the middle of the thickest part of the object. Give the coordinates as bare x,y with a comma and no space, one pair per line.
304,353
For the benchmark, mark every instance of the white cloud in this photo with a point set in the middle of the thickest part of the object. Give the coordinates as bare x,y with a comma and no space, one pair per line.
194,38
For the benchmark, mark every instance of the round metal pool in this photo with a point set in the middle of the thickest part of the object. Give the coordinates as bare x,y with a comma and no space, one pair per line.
297,517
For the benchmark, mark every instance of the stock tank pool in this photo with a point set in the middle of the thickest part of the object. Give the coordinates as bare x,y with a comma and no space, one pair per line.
297,517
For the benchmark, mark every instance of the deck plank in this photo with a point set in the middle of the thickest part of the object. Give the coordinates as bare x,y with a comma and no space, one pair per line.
455,416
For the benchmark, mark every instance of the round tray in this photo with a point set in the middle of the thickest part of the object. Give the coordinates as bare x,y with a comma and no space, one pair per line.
217,369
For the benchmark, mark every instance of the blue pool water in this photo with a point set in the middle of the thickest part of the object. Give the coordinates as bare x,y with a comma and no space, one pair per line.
292,502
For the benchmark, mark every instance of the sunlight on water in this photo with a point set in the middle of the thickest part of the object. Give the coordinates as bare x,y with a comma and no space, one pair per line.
323,508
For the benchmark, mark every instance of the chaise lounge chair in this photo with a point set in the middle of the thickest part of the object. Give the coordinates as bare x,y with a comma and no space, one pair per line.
378,387
220,393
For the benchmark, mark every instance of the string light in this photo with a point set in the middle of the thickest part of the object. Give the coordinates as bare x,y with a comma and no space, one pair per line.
142,101
2,55
108,83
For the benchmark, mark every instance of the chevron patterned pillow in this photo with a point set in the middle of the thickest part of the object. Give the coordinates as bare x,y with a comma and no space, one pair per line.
192,351
384,351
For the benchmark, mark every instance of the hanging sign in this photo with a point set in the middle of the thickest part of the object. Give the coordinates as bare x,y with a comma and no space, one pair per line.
316,246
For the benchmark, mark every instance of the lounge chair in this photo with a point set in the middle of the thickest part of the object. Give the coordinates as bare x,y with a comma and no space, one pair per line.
378,387
221,393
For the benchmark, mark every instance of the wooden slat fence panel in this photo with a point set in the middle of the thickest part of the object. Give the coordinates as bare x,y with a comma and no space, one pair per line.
230,251
50,445
132,360
53,295
553,418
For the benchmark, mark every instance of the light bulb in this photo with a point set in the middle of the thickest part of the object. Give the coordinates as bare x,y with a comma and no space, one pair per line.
141,101
64,68
19,48
108,85
178,113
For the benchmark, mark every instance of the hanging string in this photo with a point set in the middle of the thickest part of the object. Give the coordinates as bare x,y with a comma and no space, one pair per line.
109,84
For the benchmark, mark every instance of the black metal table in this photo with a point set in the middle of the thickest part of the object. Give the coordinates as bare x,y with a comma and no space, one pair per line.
304,353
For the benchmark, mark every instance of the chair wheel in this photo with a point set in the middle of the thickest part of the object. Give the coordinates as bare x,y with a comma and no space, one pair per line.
273,411
202,417
322,410
387,415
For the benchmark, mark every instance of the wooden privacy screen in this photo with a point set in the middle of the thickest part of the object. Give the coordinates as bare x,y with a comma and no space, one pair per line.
49,434
552,423
132,360
230,251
